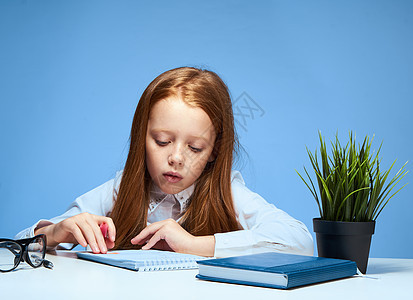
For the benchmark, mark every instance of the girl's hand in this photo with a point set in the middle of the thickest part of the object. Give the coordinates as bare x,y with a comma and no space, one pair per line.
169,235
83,229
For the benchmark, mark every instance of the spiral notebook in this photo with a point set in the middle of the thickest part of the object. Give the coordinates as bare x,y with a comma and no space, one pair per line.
144,260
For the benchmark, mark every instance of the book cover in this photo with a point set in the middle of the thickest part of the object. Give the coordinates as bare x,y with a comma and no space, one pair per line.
276,270
144,260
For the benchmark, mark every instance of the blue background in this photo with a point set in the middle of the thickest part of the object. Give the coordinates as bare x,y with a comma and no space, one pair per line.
71,73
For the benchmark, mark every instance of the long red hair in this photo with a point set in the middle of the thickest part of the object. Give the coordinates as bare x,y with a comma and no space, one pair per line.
211,208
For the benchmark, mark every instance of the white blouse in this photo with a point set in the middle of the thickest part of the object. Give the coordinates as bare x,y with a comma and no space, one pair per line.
265,227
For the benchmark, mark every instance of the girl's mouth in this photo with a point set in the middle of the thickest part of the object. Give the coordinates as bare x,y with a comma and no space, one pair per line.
172,177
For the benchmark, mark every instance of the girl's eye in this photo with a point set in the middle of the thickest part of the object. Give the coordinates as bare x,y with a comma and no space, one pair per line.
160,143
195,149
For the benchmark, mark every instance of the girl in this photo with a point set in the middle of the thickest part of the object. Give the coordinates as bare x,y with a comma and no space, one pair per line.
177,191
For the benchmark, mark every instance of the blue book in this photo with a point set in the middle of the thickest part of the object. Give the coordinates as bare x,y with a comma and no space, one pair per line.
275,270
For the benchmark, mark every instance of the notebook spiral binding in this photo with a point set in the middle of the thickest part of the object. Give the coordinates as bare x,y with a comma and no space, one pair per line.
168,264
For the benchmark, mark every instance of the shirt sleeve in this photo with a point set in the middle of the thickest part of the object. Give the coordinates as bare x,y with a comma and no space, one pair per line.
265,227
98,201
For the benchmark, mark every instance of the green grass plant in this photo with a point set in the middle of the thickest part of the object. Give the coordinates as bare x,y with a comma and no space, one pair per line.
351,185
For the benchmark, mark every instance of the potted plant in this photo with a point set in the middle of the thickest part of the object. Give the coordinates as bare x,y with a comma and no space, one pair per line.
352,192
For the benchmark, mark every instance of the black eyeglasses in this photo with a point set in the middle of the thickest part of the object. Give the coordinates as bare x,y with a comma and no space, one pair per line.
31,250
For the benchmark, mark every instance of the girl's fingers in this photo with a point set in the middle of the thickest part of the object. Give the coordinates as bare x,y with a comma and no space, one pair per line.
109,244
168,233
98,242
108,231
153,240
104,227
146,233
91,232
97,237
78,235
110,226
111,229
89,235
84,229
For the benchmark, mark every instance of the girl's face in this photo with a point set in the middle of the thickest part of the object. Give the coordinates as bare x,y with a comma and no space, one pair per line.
179,143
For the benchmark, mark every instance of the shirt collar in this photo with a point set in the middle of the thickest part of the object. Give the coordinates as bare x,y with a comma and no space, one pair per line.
157,196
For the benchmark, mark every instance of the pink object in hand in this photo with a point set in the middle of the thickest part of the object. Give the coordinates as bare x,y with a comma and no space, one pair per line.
104,228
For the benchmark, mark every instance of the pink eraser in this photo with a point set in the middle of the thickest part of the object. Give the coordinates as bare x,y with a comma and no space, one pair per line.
104,228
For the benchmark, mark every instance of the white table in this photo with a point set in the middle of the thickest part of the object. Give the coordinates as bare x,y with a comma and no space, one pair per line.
73,278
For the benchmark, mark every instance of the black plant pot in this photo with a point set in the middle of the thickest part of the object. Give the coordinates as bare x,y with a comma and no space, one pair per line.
344,240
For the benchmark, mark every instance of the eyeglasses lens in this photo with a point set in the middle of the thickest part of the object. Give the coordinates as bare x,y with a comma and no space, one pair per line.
9,255
35,251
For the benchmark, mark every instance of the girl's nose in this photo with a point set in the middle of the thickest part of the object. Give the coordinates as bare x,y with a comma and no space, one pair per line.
176,157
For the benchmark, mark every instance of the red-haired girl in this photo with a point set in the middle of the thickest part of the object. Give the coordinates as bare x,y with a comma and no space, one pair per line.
177,190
